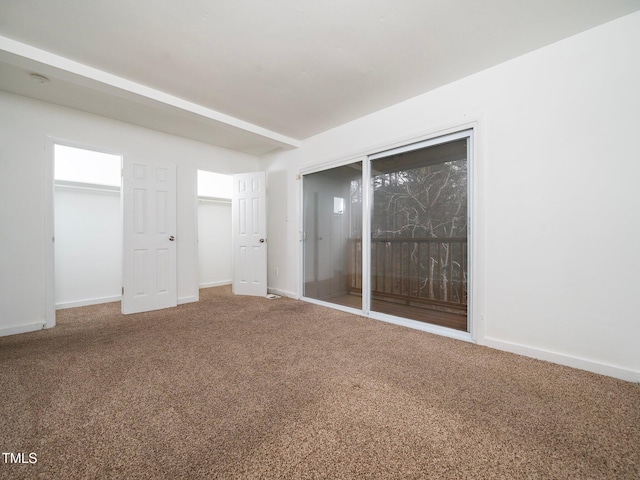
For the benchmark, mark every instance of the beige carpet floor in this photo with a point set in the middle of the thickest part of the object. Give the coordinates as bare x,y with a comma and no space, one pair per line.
237,387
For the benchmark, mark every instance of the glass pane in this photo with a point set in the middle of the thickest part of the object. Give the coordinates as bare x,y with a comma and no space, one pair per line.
419,235
332,203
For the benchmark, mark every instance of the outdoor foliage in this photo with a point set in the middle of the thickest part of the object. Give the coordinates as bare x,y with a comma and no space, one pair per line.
419,232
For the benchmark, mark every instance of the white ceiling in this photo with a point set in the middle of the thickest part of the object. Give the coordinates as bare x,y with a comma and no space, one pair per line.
258,75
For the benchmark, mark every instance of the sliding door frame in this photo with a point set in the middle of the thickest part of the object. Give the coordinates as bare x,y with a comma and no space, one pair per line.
366,157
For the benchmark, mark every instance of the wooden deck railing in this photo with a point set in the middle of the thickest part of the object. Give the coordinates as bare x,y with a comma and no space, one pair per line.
430,271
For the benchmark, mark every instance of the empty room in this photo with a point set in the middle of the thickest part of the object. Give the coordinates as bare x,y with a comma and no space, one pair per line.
303,239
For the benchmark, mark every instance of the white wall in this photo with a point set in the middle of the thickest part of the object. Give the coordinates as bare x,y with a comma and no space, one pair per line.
556,202
214,243
88,246
25,125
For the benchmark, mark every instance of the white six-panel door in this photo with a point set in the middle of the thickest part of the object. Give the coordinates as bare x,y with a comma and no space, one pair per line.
149,213
249,234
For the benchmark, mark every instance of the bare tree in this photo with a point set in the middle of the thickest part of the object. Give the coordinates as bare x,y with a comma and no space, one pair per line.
426,209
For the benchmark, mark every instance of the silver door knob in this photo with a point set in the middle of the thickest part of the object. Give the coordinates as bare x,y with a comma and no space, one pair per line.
262,240
172,238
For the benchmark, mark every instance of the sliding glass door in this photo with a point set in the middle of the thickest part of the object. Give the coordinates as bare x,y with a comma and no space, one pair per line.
414,261
332,205
419,232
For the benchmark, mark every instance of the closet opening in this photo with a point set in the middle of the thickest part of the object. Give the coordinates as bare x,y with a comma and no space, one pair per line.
87,226
215,267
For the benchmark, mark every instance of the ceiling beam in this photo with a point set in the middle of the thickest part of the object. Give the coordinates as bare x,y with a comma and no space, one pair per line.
21,54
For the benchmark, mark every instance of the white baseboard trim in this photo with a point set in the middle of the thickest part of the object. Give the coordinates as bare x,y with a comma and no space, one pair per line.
282,293
29,327
89,301
190,299
563,359
215,284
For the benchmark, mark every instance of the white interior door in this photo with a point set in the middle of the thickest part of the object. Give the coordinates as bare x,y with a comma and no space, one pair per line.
149,212
249,234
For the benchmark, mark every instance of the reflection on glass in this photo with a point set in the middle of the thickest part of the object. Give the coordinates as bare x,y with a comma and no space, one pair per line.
332,203
419,235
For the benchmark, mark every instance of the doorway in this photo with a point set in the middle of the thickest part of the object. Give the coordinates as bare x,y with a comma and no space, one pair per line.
144,234
87,226
214,229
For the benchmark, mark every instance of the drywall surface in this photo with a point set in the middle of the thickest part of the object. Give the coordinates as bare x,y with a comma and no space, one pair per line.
214,243
26,128
555,195
88,246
